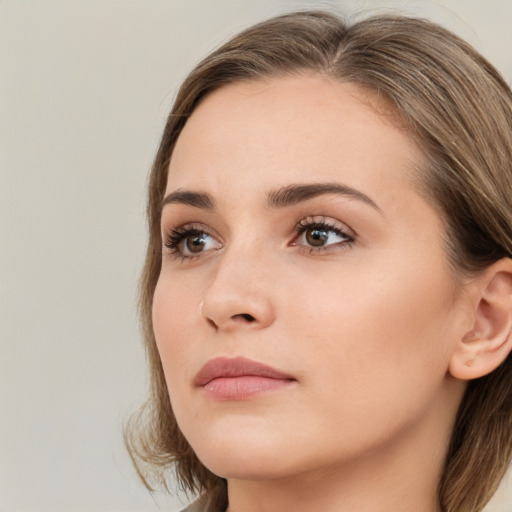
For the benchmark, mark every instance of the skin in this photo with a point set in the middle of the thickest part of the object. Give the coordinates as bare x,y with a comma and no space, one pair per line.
366,327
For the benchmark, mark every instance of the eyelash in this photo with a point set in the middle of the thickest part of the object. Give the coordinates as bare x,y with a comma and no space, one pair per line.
178,235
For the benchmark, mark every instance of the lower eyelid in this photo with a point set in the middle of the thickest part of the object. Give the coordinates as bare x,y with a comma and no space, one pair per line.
340,246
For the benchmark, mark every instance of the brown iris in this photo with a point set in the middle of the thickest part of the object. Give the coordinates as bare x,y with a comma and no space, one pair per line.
317,237
195,243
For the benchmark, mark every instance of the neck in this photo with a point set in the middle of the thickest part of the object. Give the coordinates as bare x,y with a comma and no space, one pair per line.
358,487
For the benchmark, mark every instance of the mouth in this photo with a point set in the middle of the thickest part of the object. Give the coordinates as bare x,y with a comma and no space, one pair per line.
238,378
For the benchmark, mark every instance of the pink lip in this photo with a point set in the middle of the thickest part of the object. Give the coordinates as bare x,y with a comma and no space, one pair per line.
239,378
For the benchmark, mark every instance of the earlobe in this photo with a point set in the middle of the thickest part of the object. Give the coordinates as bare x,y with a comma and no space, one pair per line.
488,343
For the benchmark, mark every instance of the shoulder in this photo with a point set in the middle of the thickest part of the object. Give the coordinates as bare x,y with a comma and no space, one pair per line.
194,507
197,506
203,504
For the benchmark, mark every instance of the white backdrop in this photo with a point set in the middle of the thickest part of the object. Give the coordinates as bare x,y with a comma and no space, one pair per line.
85,87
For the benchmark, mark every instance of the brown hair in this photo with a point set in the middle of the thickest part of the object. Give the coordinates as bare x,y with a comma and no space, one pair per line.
459,109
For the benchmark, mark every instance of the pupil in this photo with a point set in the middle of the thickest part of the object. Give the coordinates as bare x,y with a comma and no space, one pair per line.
316,237
195,243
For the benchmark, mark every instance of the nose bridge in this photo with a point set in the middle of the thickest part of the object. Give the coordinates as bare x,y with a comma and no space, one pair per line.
238,294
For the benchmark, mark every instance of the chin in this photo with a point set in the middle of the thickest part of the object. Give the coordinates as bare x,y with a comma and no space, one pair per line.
241,451
244,466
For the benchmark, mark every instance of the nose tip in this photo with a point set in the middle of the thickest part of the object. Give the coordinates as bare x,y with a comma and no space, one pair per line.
225,310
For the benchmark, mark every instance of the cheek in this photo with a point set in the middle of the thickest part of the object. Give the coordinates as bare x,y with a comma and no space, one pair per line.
377,311
381,342
174,322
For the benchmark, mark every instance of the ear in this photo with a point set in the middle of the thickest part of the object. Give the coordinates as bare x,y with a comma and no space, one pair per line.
482,349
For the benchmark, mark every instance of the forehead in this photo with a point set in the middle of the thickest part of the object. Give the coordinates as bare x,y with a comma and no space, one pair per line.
294,127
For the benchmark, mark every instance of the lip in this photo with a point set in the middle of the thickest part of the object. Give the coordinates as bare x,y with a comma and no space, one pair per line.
238,378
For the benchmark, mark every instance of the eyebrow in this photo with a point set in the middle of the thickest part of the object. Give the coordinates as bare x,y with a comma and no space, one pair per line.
283,197
191,198
294,194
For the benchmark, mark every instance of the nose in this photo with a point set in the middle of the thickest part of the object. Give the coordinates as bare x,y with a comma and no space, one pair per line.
238,296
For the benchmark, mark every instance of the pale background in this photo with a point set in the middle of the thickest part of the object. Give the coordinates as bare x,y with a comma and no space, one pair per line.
84,90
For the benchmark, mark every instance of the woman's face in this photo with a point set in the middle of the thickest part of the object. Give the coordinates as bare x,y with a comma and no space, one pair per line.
294,238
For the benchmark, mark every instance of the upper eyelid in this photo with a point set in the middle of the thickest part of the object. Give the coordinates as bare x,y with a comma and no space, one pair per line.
189,227
175,216
329,222
167,226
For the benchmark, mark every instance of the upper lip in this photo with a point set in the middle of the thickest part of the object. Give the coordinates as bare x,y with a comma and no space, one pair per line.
236,367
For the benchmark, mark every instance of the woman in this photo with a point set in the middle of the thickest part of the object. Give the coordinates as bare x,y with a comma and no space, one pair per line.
327,299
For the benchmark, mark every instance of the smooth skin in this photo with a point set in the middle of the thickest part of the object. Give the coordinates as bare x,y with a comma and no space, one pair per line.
350,291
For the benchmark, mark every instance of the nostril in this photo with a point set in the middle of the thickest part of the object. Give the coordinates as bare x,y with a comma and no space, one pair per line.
246,317
212,323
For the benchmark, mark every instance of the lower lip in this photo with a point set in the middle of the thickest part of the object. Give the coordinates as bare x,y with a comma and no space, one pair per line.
243,388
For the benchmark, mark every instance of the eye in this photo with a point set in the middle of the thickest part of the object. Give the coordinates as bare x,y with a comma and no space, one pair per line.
190,242
320,233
